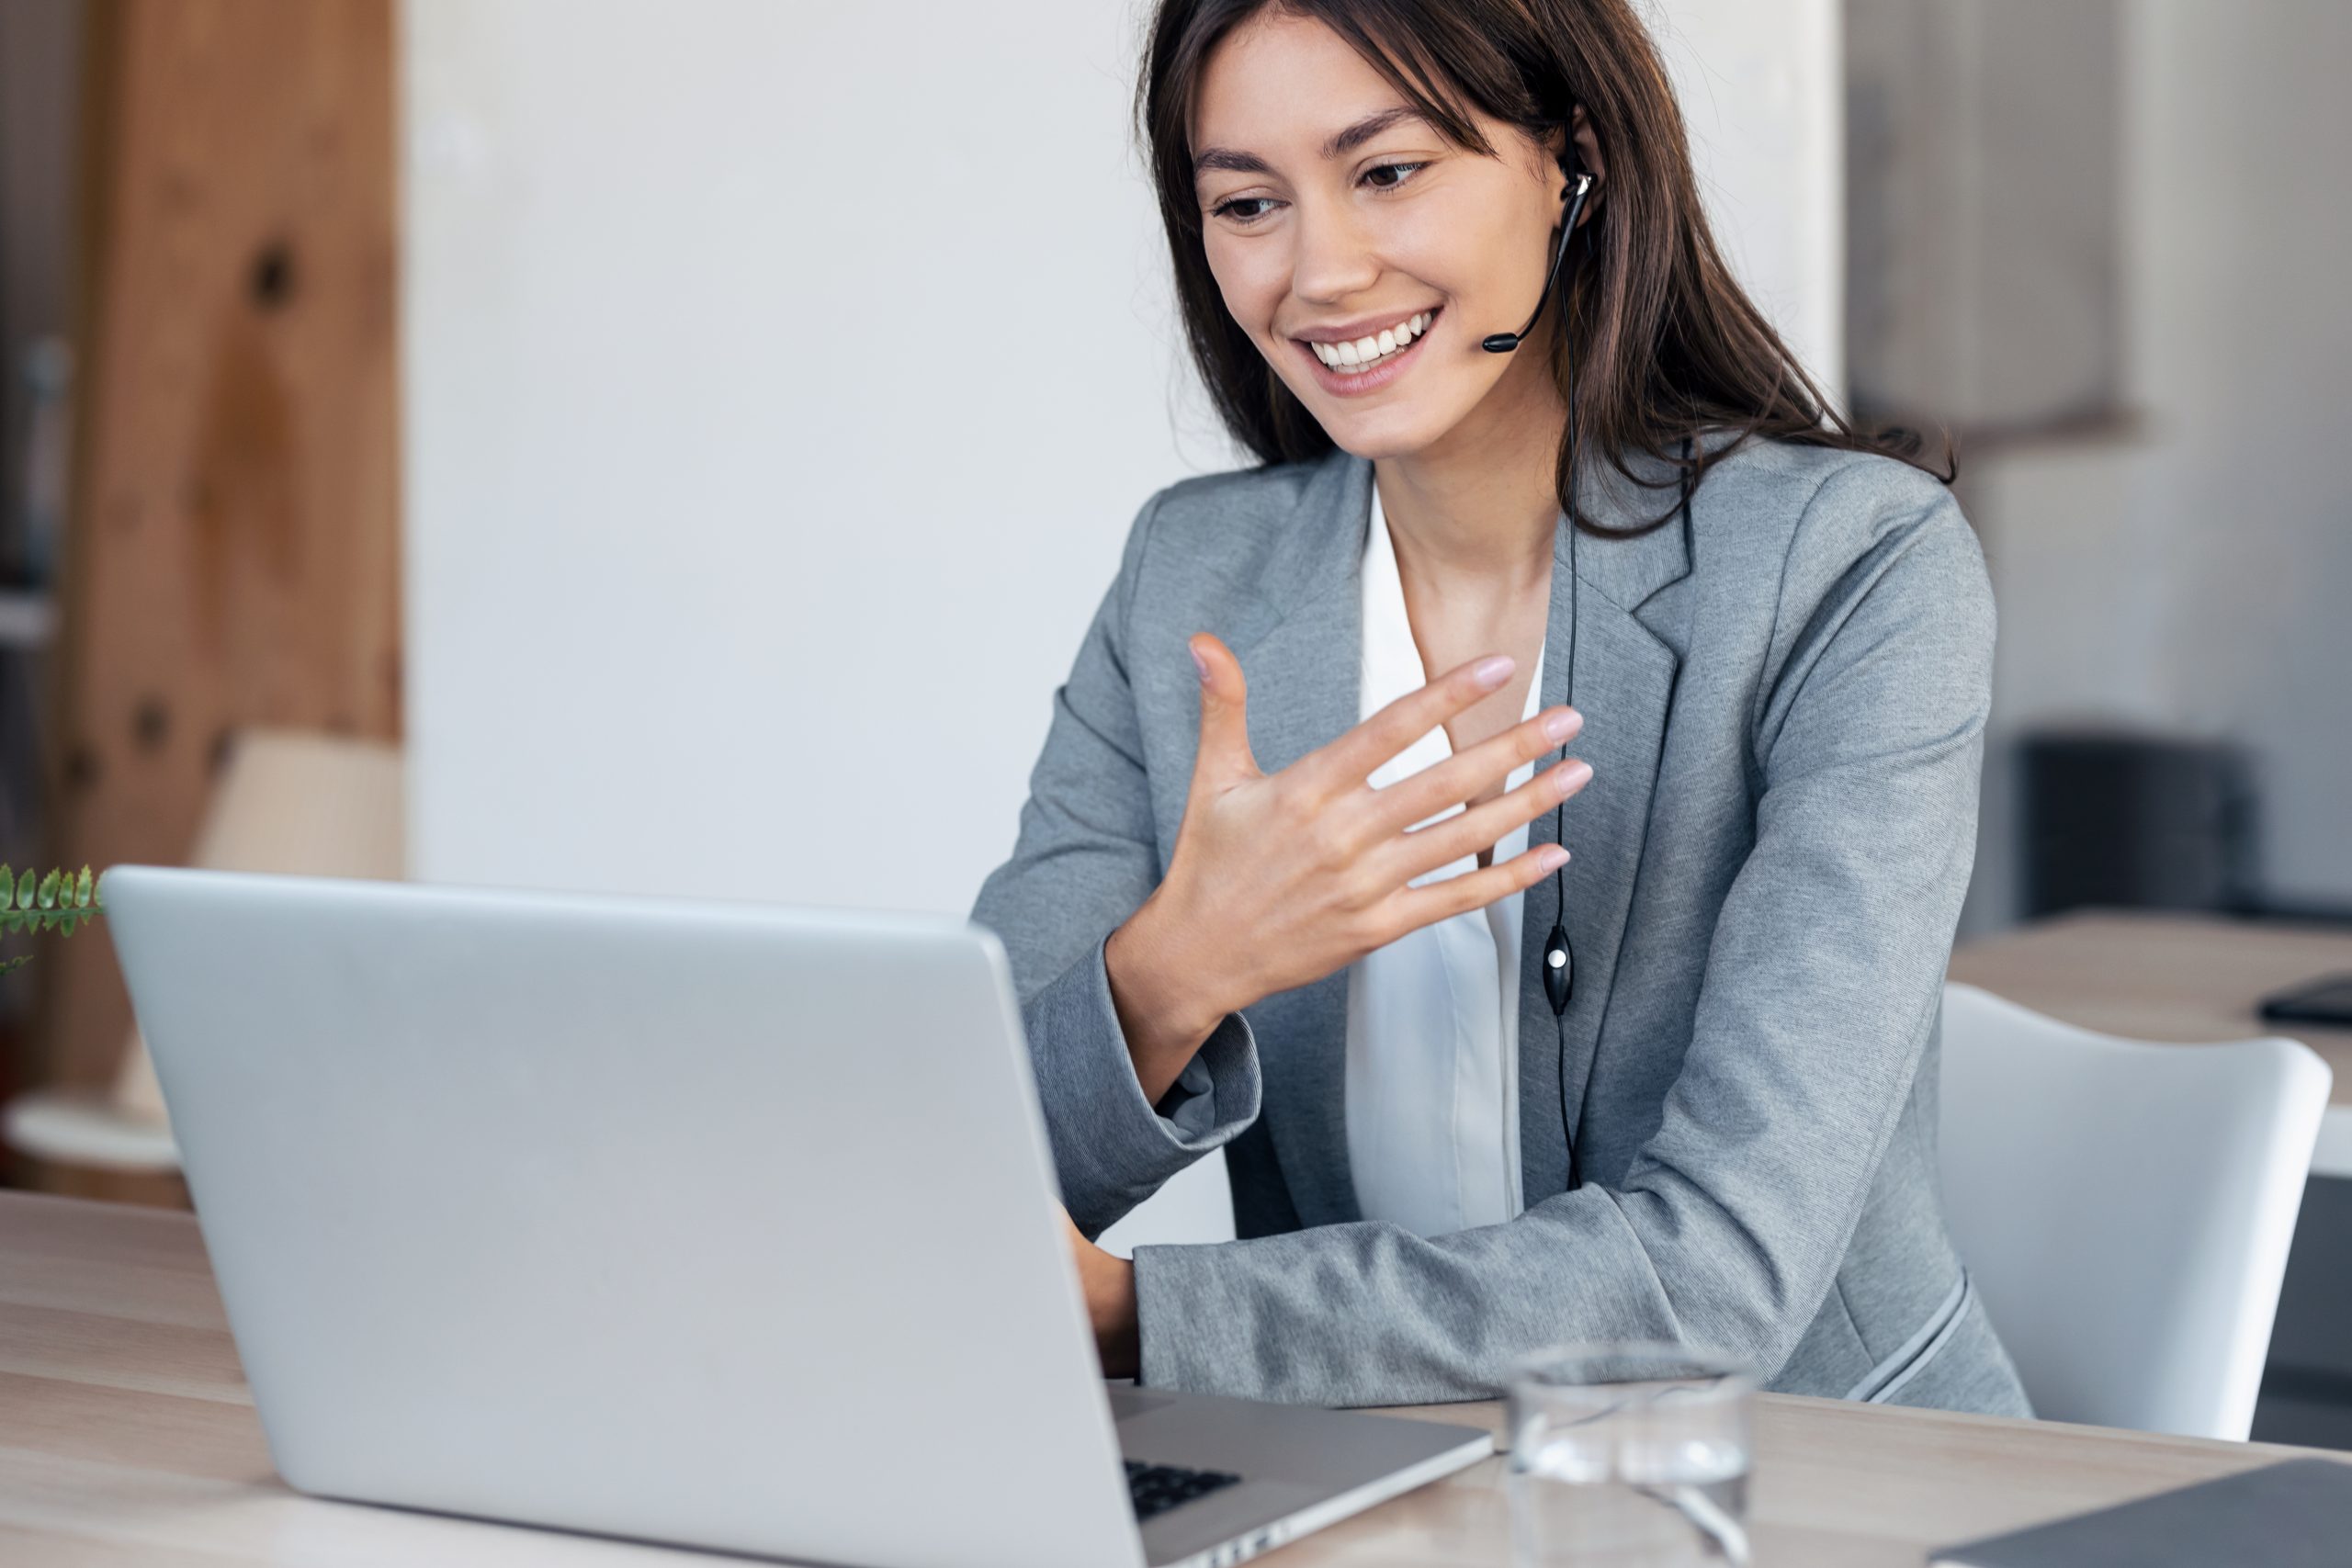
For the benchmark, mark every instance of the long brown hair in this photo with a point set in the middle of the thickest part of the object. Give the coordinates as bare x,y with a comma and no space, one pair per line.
1668,344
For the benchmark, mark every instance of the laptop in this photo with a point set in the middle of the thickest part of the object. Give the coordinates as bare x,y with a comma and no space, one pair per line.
721,1225
2296,1513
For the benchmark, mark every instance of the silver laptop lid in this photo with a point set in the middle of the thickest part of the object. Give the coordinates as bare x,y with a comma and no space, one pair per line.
726,1224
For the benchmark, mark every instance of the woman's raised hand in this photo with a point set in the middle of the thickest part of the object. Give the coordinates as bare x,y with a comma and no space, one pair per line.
1279,879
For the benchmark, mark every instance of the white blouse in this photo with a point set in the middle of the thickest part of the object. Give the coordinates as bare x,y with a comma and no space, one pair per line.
1432,1074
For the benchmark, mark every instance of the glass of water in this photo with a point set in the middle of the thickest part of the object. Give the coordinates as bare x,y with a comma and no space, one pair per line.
1629,1456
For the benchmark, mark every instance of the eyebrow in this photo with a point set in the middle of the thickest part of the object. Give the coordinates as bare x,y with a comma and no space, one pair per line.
1341,142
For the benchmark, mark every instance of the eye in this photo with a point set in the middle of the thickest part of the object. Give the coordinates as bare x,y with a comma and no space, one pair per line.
1229,208
1226,209
1404,173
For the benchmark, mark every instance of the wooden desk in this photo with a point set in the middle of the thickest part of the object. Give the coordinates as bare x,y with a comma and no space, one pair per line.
2157,976
128,1440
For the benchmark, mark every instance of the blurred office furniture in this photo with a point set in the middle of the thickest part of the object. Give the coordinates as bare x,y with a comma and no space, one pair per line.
28,601
2170,976
291,802
40,49
230,554
40,70
2125,1207
2135,820
146,1449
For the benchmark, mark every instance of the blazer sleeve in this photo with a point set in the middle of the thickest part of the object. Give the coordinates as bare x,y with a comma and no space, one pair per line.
1821,984
1085,860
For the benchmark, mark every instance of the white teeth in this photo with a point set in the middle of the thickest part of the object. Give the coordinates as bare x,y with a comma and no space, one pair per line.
1367,351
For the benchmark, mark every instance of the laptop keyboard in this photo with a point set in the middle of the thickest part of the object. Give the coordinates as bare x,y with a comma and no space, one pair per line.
1156,1488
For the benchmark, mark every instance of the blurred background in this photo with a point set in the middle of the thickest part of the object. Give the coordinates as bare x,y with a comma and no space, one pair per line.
555,444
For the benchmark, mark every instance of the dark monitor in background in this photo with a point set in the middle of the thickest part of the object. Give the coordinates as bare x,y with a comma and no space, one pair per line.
2136,820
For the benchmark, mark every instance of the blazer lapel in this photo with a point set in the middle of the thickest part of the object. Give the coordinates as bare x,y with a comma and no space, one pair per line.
1300,644
1624,688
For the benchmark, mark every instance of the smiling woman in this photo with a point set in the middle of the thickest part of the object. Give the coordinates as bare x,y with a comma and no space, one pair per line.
1443,269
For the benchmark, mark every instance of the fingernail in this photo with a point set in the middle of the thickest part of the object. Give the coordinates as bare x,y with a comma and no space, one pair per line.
1575,774
1492,671
1552,857
1200,664
1562,725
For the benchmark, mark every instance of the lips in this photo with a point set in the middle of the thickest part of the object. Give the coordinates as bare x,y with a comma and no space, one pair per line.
1367,373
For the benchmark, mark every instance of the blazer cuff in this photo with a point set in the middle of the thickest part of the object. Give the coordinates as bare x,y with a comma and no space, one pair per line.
1180,1300
1112,1147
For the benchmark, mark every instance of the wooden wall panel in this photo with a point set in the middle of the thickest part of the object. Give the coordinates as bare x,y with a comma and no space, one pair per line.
233,553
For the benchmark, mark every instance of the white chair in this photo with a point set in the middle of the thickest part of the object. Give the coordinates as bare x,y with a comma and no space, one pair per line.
288,801
2125,1207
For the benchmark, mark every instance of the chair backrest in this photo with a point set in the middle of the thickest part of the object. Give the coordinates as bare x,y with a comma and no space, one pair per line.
298,802
2125,1207
289,801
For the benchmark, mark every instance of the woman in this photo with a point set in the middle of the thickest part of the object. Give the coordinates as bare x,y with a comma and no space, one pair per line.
1308,914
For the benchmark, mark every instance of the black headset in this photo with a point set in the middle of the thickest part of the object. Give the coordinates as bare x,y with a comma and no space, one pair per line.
1559,962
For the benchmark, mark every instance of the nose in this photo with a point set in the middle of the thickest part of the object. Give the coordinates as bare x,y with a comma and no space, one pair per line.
1332,258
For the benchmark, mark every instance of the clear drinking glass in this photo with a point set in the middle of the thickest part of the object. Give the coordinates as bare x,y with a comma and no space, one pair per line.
1629,1456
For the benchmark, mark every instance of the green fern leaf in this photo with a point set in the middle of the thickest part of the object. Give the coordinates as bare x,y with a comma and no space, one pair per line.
81,890
65,926
10,966
49,891
13,921
7,887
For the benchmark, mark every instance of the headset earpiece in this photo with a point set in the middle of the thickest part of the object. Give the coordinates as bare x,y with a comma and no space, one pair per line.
1574,194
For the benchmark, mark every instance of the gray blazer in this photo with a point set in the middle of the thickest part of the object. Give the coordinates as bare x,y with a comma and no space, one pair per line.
1784,714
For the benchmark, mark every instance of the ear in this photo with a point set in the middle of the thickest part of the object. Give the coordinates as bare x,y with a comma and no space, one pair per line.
1589,151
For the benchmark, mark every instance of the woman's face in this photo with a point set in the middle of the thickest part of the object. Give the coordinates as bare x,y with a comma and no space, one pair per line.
1331,214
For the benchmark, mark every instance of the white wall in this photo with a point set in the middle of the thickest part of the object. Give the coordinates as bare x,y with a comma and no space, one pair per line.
780,382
